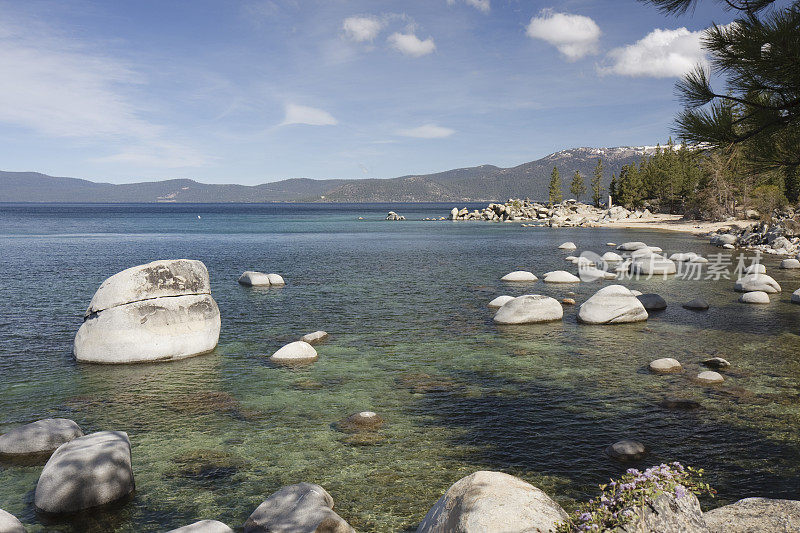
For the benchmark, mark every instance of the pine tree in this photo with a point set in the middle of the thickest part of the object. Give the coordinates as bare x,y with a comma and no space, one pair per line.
597,183
612,188
577,188
555,187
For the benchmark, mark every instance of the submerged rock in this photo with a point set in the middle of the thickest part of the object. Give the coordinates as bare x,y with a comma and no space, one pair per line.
86,472
715,362
492,502
314,338
9,523
708,377
530,308
613,304
652,302
38,438
361,421
757,282
754,297
755,515
667,365
299,508
519,275
203,526
155,312
500,301
680,403
295,352
251,278
627,450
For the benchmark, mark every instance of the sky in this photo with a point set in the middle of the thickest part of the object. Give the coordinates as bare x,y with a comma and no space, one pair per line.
262,90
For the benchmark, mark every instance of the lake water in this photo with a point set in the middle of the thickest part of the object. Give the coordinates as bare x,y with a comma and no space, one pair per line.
411,338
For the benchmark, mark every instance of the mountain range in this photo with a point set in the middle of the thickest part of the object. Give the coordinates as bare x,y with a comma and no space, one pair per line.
471,184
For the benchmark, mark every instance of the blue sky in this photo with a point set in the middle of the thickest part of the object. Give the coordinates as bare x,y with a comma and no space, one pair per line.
262,90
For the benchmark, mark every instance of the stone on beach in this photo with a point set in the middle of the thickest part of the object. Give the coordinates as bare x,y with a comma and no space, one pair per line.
561,276
528,309
203,526
755,515
499,302
652,302
631,246
627,450
568,246
754,297
698,304
9,523
757,282
315,337
666,365
519,275
709,377
251,278
155,312
492,502
295,352
40,437
613,304
86,472
715,362
299,508
790,264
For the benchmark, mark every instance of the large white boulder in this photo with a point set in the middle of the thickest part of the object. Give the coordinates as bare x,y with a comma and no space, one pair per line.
666,365
519,275
203,526
315,337
755,514
162,329
613,304
611,257
631,246
790,264
276,280
561,276
682,257
295,352
9,523
652,265
568,246
499,302
155,312
299,508
86,472
528,309
755,268
757,282
40,437
251,278
492,502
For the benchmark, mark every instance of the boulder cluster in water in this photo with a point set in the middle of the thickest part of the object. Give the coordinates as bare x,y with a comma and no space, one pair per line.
565,214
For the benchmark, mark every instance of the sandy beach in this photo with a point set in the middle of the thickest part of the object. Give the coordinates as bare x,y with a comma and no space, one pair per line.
673,223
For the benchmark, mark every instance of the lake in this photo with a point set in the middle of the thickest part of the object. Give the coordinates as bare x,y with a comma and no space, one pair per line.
411,338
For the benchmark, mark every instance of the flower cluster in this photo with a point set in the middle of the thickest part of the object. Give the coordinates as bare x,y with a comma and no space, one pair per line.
620,499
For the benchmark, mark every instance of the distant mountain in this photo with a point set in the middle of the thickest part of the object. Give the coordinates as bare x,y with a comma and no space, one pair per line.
472,184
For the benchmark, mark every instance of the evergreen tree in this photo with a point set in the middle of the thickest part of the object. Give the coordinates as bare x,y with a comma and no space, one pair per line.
612,188
597,183
756,56
629,191
555,187
577,188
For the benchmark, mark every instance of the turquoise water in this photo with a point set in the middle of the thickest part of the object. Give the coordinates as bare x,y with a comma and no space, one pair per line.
411,338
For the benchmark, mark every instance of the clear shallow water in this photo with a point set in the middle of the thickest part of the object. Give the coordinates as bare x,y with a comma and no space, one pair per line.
411,339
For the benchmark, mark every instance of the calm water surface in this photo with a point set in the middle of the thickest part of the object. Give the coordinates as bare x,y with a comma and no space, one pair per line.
411,338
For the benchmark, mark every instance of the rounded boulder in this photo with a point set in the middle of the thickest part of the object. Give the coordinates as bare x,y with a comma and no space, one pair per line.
754,297
251,278
529,309
295,352
499,302
613,304
666,365
519,275
757,282
40,437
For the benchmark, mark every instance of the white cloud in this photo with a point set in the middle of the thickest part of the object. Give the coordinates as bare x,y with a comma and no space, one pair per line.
427,131
157,155
361,29
300,114
659,54
411,45
575,36
482,5
59,87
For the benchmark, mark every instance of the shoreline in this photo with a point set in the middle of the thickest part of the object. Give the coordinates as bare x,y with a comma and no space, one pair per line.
675,223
